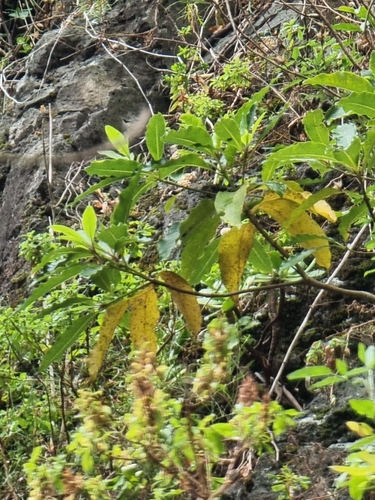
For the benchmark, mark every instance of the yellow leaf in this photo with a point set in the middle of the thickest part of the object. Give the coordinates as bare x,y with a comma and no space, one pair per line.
322,208
111,319
361,429
281,210
234,249
186,304
144,317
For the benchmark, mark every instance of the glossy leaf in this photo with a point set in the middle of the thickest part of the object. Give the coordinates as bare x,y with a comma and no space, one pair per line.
315,128
355,213
228,131
196,232
368,148
345,80
89,221
107,278
310,371
127,200
359,103
111,319
168,242
187,305
364,407
78,237
118,140
155,136
260,259
302,151
186,160
205,262
194,138
344,135
349,157
229,205
119,168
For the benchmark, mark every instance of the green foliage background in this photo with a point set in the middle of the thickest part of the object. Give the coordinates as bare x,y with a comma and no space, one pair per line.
125,379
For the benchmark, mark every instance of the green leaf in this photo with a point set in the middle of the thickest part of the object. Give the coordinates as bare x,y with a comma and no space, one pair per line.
300,152
118,168
78,237
73,303
315,128
310,371
368,147
118,140
350,157
87,461
92,189
194,138
226,430
89,221
229,205
127,200
347,27
53,283
355,213
277,187
342,80
155,136
168,242
186,160
228,131
335,379
107,278
115,236
370,357
197,231
260,259
359,103
67,339
205,262
341,367
364,407
361,352
192,120
344,135
354,372
245,116
295,259
372,62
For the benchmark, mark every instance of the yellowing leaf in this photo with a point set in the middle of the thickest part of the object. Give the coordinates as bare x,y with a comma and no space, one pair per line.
144,317
322,208
234,250
361,429
186,304
281,210
111,319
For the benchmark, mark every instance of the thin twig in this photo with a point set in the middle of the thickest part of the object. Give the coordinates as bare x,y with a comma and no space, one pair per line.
313,305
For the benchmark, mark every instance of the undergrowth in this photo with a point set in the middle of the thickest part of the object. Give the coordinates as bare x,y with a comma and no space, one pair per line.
126,380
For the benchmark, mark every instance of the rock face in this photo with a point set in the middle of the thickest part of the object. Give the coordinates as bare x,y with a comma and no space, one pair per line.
89,82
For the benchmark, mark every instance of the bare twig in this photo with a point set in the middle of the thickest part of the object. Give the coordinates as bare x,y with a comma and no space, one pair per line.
314,304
